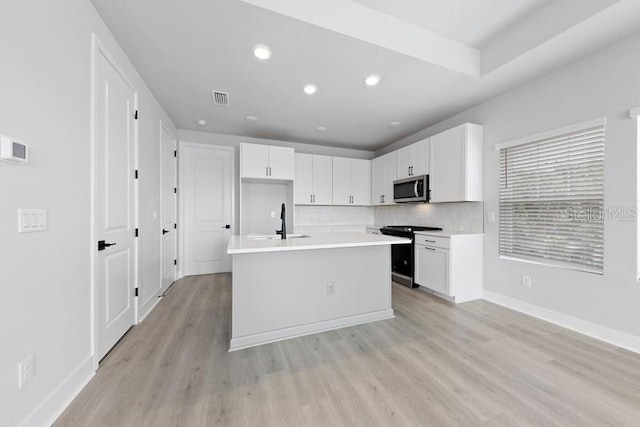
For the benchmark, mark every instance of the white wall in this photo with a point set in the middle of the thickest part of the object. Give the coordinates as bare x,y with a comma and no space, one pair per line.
605,84
45,284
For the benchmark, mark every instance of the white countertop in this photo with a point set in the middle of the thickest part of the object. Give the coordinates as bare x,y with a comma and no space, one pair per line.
247,245
444,233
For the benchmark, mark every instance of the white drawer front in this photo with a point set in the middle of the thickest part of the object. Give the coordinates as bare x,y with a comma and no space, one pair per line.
438,242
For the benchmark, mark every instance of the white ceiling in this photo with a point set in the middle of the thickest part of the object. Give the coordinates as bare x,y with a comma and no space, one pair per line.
186,48
471,22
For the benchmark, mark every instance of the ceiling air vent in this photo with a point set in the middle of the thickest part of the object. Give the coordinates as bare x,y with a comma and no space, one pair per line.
220,98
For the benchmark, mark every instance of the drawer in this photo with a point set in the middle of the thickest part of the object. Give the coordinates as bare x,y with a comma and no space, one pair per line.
435,241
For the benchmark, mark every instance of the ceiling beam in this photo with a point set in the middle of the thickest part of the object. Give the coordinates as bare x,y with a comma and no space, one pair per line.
358,21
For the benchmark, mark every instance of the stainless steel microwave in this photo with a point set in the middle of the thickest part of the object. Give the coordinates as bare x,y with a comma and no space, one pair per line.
411,190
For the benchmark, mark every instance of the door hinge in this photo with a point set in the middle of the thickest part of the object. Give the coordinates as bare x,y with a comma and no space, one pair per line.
175,153
175,262
135,173
135,115
136,232
136,292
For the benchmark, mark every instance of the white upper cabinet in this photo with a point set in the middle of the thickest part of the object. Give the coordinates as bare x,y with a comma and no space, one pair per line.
413,160
351,181
456,164
383,173
361,182
266,162
313,183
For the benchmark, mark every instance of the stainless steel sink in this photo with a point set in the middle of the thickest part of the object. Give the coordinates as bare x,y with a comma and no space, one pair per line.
275,236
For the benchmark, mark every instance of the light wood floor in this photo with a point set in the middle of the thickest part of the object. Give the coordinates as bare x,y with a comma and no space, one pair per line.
436,364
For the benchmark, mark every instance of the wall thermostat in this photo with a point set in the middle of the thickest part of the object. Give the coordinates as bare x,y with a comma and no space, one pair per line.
12,150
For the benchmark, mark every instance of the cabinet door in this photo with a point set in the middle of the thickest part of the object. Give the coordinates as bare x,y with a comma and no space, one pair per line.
404,161
341,181
322,180
281,163
447,178
432,268
255,160
304,179
377,180
361,182
390,167
420,158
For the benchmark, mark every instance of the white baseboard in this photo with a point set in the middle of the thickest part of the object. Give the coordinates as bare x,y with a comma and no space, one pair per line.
147,307
57,401
593,330
298,331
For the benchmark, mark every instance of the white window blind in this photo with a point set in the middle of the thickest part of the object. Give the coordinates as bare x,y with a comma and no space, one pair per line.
552,200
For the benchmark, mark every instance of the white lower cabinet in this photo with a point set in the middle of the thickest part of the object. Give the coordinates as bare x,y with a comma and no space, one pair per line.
432,268
450,265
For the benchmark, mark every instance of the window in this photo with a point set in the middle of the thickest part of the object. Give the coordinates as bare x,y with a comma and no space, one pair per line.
552,198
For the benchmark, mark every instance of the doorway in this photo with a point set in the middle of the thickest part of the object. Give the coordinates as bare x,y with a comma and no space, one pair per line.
206,188
114,144
169,199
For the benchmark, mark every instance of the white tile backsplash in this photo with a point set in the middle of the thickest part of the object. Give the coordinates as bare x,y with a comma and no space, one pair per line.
327,216
454,217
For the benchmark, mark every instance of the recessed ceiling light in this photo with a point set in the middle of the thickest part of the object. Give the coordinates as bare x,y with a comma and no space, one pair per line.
262,52
321,129
310,89
251,119
372,80
202,122
394,124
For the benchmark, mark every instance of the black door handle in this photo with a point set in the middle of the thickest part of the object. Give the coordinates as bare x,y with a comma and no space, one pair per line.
102,245
164,231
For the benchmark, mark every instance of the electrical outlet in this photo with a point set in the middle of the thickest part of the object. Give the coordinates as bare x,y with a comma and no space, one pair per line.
526,281
491,217
273,214
26,370
331,288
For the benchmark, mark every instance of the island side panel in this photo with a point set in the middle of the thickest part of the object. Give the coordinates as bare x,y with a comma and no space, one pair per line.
279,295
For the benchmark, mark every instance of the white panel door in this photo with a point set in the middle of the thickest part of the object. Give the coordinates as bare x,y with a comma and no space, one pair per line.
322,180
169,209
281,163
341,181
304,179
361,182
114,194
207,190
254,160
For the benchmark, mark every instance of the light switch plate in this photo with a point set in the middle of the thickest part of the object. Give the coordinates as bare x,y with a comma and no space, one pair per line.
32,220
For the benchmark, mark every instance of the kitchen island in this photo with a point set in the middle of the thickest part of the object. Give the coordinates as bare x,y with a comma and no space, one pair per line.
299,286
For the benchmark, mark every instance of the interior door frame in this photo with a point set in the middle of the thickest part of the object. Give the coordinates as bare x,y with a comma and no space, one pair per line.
98,48
181,202
176,207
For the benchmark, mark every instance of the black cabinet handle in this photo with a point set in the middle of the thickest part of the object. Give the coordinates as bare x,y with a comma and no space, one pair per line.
227,226
102,245
164,231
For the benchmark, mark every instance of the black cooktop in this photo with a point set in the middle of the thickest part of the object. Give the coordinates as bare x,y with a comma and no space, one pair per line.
407,230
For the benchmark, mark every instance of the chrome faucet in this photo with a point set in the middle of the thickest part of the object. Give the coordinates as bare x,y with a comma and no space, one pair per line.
283,230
